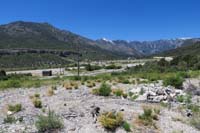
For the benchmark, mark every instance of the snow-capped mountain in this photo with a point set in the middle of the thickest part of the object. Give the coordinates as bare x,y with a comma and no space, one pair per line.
145,47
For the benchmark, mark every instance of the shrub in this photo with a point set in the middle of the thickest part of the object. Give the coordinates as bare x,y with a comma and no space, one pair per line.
134,97
92,67
49,123
90,85
195,121
113,66
104,90
50,92
54,87
175,81
67,86
125,95
37,103
180,98
148,116
111,120
141,91
126,126
194,108
95,91
186,98
125,81
3,75
37,95
12,84
164,104
118,92
9,119
130,94
15,108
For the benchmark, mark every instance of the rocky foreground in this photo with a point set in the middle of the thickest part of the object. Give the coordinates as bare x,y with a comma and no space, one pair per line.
75,106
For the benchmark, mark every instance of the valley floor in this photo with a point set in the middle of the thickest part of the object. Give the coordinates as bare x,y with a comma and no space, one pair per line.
74,107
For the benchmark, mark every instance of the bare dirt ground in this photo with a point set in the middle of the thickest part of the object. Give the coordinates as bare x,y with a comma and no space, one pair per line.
74,107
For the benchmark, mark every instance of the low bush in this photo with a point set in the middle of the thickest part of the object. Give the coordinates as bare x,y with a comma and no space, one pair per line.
50,92
175,81
142,91
67,86
180,98
37,103
9,119
3,75
95,91
130,94
37,95
134,96
92,67
184,98
125,95
125,81
194,108
118,92
195,121
12,84
15,108
49,123
104,89
111,120
126,126
113,66
148,117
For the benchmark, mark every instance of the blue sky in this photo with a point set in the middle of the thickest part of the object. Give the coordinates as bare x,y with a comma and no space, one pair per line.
113,19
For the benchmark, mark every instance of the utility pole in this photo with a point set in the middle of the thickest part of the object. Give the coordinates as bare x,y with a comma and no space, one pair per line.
78,60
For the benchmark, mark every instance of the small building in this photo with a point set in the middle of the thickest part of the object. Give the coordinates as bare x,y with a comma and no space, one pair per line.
47,73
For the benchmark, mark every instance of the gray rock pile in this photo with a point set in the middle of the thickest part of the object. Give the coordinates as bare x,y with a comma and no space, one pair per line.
156,92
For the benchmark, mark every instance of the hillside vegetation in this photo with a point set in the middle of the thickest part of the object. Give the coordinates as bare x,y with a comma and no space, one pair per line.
35,45
188,49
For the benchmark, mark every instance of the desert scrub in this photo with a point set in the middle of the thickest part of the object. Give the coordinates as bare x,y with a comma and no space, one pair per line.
125,81
111,120
49,123
15,108
142,91
195,121
105,89
67,86
9,119
37,103
118,92
176,81
95,91
91,84
134,97
50,92
37,95
184,98
126,126
148,116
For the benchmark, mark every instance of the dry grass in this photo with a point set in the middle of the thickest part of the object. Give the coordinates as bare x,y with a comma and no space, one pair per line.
50,92
111,120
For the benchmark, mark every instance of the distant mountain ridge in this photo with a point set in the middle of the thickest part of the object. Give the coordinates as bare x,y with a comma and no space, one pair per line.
146,47
25,44
192,48
31,35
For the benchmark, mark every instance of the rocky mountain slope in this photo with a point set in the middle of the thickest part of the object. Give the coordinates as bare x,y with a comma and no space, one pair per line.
29,35
30,44
145,47
187,49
